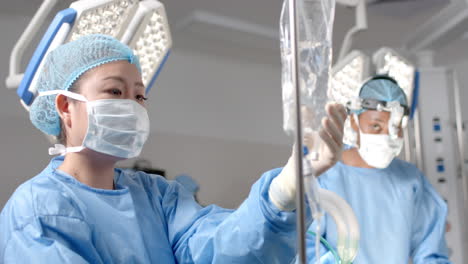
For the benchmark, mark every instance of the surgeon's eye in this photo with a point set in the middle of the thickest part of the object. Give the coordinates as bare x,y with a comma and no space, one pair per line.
376,127
115,92
141,98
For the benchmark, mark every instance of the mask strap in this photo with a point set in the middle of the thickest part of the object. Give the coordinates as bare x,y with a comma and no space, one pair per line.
60,149
356,119
72,95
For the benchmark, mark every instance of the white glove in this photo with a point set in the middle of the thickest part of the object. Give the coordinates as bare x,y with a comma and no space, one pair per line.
327,143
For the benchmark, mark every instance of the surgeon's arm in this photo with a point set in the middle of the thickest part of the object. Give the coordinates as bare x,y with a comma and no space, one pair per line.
45,243
257,232
428,243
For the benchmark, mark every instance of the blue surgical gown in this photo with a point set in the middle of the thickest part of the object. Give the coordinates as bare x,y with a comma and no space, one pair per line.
53,218
400,215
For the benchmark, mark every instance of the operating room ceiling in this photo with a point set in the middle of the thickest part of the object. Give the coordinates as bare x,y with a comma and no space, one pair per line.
390,22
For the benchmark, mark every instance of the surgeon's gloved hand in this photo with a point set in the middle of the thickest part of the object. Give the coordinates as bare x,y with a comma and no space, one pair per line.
326,146
325,149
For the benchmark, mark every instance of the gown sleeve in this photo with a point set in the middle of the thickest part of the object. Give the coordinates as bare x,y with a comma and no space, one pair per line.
257,232
428,243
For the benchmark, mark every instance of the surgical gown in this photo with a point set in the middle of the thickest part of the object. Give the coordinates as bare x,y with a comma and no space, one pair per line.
53,218
400,215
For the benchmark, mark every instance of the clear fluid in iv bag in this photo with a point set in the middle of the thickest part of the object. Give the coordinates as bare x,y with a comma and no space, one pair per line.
314,63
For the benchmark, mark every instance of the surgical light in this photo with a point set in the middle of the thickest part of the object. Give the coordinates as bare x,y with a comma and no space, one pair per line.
389,62
142,25
347,76
152,39
101,16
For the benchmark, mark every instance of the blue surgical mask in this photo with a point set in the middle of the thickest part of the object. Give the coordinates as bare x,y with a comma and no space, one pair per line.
116,127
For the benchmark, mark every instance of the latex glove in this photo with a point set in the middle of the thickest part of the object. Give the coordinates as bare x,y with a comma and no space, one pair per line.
325,147
328,145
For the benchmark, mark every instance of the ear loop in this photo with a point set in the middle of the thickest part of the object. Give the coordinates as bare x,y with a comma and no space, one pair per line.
356,120
60,149
72,95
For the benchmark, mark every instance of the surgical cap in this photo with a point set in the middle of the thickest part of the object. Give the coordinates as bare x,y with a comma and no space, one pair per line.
64,66
382,88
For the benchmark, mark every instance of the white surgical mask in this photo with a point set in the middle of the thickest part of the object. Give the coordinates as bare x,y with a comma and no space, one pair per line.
117,127
379,150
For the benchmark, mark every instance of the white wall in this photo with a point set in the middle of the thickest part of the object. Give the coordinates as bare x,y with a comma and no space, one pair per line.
216,118
221,97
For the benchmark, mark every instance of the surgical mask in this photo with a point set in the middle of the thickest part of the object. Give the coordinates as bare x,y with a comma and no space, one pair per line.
116,127
378,150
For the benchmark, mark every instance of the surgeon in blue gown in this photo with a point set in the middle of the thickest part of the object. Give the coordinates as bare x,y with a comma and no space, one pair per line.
401,216
81,209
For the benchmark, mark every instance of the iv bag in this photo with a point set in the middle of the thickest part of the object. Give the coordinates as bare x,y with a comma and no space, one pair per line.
314,38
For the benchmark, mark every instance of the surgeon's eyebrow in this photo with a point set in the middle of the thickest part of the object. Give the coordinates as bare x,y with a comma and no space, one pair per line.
377,119
120,79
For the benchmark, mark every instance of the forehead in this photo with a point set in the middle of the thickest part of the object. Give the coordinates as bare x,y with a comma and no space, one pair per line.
118,68
123,70
374,116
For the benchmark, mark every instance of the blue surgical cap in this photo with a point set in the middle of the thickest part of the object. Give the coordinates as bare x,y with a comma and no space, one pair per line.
64,66
382,88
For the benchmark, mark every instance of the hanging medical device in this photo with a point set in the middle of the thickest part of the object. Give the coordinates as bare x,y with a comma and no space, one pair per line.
142,25
306,53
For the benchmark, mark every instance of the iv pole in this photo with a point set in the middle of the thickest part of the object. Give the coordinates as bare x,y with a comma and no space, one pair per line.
300,204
